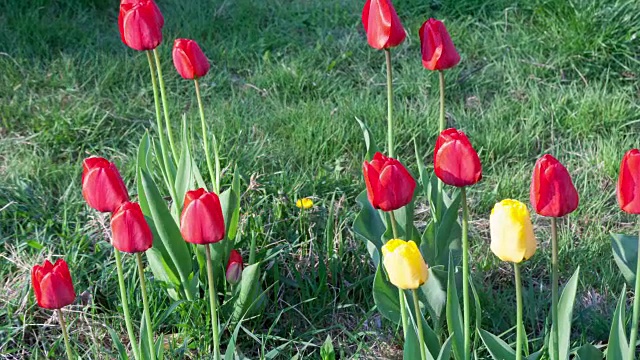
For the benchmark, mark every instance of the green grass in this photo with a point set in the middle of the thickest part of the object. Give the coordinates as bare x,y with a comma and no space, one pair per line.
288,79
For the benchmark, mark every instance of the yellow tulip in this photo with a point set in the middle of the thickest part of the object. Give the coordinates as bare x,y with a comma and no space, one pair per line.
305,203
512,237
404,264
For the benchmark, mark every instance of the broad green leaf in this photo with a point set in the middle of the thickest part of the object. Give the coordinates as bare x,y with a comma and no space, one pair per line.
435,294
115,339
326,350
145,350
618,347
249,298
535,356
368,140
231,347
184,176
478,309
369,226
445,351
589,352
498,349
565,316
143,164
159,347
385,296
230,202
454,316
625,253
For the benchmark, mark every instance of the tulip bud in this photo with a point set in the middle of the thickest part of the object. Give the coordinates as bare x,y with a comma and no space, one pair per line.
552,192
389,184
628,189
189,59
52,285
201,221
382,25
438,52
102,185
455,161
130,230
140,23
234,268
404,264
512,237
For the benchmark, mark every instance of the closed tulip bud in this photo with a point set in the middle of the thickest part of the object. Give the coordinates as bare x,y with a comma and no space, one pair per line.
189,59
130,230
102,185
234,268
512,237
438,52
552,192
140,23
382,25
389,184
404,264
455,161
52,285
628,189
201,221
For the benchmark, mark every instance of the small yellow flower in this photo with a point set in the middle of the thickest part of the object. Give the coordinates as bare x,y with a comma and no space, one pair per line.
512,237
305,203
404,264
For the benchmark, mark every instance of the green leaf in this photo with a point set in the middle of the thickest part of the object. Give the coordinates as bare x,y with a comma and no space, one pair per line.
454,316
369,227
618,347
385,296
412,343
326,350
478,308
435,293
625,253
115,339
589,352
230,202
249,298
565,316
498,349
368,140
184,176
143,164
535,356
445,351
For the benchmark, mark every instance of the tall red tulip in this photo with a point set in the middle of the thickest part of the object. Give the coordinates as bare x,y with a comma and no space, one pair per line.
130,230
628,188
438,52
201,221
189,59
455,161
389,185
552,191
382,25
234,267
102,185
140,23
52,285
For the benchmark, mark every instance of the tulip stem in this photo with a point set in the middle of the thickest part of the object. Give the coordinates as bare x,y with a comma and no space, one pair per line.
165,105
394,226
212,303
145,303
636,311
125,305
65,335
554,288
441,125
465,274
416,305
387,53
403,313
214,176
519,326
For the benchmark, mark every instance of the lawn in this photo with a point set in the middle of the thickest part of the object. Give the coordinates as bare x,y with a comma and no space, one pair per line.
288,80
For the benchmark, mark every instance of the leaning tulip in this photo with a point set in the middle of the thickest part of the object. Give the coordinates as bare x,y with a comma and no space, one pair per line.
234,268
455,161
102,185
201,221
404,264
382,25
628,189
512,237
130,230
140,23
438,52
389,184
552,192
189,60
52,285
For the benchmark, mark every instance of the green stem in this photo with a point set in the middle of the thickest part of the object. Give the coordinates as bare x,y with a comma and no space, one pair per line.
403,313
519,325
65,335
214,175
125,305
145,303
465,275
554,288
212,303
165,105
441,125
636,311
394,226
387,53
416,305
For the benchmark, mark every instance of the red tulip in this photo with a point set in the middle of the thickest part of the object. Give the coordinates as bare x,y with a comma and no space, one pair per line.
52,285
552,192
189,59
201,221
628,188
102,185
140,23
389,184
438,52
382,25
455,161
130,230
234,267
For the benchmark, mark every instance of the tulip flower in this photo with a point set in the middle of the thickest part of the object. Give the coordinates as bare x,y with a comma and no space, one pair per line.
305,203
130,230
628,188
512,237
102,185
382,25
552,191
52,285
455,161
140,23
438,51
234,268
404,264
389,184
189,60
201,221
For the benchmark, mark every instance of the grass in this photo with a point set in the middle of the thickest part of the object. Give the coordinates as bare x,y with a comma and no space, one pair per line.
288,79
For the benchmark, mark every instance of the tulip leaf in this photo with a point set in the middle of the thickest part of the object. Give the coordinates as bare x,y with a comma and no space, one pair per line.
368,140
498,349
143,164
431,340
454,315
385,296
478,309
625,253
565,314
435,294
535,356
618,347
589,352
445,351
250,297
369,227
115,339
184,176
230,202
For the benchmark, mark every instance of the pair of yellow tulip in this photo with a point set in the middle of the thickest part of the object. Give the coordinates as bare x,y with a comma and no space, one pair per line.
512,240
